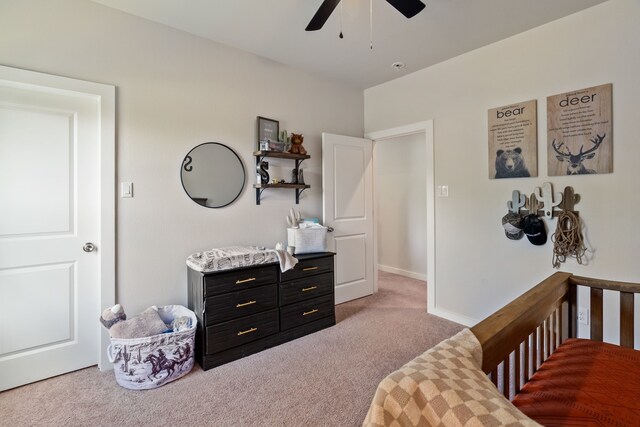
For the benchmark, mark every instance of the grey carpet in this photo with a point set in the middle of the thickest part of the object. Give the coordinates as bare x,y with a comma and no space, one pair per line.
324,379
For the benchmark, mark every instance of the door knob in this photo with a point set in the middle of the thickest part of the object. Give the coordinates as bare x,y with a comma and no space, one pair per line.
89,247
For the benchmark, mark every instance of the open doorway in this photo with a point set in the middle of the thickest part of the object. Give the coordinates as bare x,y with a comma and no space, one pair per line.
404,200
401,206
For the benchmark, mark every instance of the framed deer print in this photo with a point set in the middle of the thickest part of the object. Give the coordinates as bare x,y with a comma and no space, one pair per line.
513,140
580,132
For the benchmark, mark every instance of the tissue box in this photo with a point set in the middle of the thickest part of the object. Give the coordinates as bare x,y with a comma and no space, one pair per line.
307,240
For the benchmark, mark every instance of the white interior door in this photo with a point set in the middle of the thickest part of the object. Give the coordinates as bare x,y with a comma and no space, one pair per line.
347,200
50,196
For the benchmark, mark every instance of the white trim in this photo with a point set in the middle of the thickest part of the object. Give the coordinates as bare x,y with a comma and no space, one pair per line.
107,210
106,94
425,127
454,317
401,272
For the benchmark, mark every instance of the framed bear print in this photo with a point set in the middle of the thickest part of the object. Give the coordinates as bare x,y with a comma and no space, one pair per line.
513,141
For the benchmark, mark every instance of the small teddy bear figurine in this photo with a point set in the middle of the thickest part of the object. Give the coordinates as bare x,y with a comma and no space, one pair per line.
296,144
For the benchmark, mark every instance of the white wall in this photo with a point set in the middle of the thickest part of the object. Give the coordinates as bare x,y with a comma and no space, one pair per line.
477,268
175,91
401,200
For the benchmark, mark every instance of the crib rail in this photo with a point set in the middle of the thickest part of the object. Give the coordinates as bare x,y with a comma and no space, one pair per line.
520,336
505,330
626,291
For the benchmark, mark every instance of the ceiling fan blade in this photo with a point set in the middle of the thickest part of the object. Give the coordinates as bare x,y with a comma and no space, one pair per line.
321,16
408,8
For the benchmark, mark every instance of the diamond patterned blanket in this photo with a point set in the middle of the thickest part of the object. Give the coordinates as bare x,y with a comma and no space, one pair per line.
445,386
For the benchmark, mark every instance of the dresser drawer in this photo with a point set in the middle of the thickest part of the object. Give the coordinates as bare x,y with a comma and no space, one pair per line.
237,280
308,267
306,288
306,311
232,305
241,331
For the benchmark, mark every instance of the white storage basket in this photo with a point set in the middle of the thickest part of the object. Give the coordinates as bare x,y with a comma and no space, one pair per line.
307,240
150,362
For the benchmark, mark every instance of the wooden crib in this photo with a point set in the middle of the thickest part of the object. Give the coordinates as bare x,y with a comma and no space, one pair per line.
545,315
517,339
541,374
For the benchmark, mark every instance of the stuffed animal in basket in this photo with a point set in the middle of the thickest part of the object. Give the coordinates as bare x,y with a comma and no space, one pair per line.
145,324
296,144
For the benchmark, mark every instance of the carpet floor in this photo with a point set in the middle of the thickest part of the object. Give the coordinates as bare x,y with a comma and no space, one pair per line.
324,379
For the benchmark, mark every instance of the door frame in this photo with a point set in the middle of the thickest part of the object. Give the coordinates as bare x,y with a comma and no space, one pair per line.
425,127
106,96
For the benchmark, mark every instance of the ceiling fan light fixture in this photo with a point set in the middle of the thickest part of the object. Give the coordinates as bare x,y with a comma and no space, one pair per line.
409,8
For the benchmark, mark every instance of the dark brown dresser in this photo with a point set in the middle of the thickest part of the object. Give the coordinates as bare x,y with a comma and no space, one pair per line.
247,310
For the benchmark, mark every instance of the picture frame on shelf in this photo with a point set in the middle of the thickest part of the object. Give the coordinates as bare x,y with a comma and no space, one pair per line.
268,131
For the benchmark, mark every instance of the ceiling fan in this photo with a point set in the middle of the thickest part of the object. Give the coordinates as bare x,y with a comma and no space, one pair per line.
408,8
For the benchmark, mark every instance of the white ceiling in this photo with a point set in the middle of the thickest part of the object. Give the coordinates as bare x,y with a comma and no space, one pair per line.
275,29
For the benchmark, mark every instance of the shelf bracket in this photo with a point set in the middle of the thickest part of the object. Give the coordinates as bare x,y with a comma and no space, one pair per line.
298,163
298,193
259,194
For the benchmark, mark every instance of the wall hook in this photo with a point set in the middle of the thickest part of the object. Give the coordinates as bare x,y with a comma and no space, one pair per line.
545,195
534,206
517,201
569,200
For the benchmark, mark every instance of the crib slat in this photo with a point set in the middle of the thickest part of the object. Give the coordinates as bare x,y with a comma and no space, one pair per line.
540,345
626,319
516,370
596,314
559,324
534,352
506,376
494,376
547,348
527,361
573,311
554,325
539,360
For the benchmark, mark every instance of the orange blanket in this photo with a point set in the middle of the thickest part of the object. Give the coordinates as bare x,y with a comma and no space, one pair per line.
585,383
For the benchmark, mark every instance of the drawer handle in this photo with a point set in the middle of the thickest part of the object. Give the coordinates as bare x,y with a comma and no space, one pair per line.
309,288
250,279
245,304
315,310
247,331
309,268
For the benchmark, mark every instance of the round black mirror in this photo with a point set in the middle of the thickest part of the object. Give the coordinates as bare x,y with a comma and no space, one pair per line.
212,175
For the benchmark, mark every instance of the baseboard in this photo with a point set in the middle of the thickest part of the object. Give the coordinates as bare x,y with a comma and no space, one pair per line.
454,317
401,272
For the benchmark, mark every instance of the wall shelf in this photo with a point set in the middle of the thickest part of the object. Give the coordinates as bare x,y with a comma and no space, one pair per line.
280,155
298,158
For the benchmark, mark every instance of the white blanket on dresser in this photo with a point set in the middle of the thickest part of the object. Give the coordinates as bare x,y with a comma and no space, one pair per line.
219,259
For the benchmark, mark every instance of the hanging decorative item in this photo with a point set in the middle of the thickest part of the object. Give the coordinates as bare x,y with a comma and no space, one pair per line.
567,239
533,205
524,219
262,172
579,132
513,140
545,195
517,202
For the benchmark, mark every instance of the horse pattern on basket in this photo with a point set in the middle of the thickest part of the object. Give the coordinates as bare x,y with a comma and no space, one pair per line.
144,363
161,363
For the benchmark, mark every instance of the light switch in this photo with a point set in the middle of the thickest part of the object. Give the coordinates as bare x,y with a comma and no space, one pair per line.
126,189
442,191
